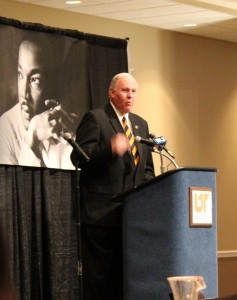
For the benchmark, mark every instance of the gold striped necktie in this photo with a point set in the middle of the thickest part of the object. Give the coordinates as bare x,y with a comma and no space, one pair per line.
130,137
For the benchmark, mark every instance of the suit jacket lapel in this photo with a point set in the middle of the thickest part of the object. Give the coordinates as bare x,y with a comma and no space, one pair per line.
113,119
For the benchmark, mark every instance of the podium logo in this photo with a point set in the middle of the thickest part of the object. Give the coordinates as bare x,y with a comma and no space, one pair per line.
200,201
200,206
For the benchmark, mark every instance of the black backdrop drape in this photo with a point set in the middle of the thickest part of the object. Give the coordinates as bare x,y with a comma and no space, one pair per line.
38,207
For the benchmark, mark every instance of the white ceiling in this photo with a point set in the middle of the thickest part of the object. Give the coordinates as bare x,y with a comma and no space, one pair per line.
214,18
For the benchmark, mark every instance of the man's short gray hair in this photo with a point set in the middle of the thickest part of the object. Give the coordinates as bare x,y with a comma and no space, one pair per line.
117,77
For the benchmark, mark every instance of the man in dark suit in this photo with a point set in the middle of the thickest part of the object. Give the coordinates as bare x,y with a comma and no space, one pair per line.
110,171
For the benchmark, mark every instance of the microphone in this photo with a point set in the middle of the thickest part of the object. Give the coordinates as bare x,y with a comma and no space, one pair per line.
160,142
67,137
147,142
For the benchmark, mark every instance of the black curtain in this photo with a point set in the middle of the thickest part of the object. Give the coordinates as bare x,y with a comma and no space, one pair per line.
38,206
107,57
38,209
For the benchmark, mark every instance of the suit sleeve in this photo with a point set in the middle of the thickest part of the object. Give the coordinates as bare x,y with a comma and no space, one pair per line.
88,136
149,167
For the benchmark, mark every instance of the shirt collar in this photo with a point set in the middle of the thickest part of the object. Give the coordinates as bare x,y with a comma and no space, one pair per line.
118,113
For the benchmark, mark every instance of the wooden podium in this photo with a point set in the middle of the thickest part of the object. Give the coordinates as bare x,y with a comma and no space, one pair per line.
158,239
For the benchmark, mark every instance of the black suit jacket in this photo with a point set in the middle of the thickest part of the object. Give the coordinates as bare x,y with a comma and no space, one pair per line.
106,175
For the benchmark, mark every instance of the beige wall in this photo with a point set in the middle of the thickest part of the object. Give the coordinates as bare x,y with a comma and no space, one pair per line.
188,93
227,276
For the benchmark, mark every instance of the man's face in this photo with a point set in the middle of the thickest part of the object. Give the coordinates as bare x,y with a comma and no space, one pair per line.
124,94
31,81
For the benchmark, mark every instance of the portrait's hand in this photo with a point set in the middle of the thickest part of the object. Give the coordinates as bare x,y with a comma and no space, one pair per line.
50,125
120,144
43,127
67,121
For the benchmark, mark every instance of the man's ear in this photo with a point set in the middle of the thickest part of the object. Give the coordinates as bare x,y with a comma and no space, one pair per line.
111,92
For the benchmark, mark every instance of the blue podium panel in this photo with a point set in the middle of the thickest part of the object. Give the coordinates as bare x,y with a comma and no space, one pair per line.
158,240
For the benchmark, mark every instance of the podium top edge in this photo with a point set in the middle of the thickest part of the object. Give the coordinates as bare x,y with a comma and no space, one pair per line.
117,198
193,168
186,168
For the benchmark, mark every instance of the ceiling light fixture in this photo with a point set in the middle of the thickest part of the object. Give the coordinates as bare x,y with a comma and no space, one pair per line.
190,25
73,2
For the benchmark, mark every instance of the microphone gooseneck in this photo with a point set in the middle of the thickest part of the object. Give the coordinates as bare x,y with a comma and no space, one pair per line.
158,144
161,142
67,137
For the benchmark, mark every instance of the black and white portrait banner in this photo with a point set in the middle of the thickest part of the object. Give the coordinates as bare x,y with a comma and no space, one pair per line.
48,79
